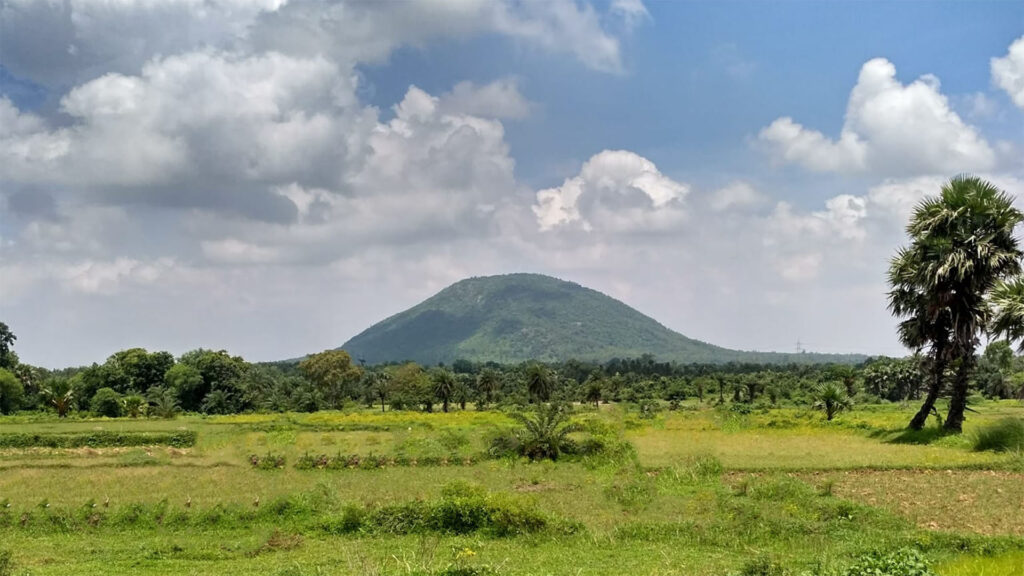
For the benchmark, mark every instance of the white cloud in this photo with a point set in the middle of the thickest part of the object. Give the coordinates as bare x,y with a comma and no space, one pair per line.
890,129
1008,72
64,43
107,277
616,190
499,99
735,196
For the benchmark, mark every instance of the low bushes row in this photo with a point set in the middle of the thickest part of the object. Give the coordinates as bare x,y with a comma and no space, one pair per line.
369,461
462,509
97,439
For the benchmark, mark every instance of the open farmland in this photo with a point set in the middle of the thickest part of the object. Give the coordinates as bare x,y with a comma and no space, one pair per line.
702,491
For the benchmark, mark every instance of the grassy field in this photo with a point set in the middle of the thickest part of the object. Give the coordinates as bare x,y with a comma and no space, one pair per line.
707,492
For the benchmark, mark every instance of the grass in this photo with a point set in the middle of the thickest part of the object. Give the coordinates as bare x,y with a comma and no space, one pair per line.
706,493
1006,435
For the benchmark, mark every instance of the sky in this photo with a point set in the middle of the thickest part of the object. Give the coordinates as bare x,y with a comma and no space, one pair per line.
271,177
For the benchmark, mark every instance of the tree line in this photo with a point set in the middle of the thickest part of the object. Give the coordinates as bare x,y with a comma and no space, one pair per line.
137,382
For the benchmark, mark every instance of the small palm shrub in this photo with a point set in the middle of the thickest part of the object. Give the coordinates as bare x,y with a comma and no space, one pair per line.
831,398
1006,435
163,403
132,405
544,434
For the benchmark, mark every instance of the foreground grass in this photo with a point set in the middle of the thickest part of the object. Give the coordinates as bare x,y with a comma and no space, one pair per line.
708,492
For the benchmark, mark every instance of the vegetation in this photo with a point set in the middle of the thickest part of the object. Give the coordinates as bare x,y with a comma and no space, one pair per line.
962,247
523,317
831,398
1006,435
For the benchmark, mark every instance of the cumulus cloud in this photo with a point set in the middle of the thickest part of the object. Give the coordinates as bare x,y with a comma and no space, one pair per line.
737,195
1008,72
60,44
369,31
615,190
890,129
498,99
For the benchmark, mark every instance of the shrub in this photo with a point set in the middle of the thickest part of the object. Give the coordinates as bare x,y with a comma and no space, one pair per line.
98,439
6,563
267,462
542,435
1006,435
11,392
763,566
106,402
133,405
904,562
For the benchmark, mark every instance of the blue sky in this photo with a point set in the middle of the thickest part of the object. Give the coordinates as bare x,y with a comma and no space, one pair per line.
174,177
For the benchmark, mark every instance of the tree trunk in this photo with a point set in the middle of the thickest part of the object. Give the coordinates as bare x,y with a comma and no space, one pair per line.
935,386
958,400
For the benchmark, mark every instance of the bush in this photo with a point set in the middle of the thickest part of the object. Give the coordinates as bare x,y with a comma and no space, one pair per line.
1006,435
6,563
11,392
106,402
904,562
267,462
98,439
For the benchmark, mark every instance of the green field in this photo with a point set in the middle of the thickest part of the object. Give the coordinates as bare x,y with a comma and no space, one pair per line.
706,491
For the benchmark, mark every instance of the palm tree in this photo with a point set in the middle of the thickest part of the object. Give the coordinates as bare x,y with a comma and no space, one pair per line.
61,395
962,244
444,387
593,392
164,404
539,382
925,324
488,382
831,398
1008,311
545,434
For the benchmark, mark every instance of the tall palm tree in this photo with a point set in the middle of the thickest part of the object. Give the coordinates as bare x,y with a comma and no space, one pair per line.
444,387
488,382
925,324
539,382
962,244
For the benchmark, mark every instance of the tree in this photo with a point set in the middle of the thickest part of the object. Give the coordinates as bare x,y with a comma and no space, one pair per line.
11,392
8,359
106,402
539,382
379,384
185,382
593,392
331,371
60,394
831,398
162,402
488,382
444,387
142,370
962,245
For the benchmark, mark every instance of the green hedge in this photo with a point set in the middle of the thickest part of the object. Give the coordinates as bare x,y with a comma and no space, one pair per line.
97,439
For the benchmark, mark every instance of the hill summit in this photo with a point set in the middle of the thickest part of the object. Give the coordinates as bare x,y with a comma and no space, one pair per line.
518,317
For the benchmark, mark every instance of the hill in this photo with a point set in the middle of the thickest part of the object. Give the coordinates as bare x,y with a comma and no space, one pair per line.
518,317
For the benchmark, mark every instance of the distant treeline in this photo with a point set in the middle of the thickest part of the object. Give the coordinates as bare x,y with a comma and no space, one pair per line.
137,382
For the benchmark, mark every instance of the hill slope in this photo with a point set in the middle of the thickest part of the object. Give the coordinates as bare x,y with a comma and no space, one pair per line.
519,317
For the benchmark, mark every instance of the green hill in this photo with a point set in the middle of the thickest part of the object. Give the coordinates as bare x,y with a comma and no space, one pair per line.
519,317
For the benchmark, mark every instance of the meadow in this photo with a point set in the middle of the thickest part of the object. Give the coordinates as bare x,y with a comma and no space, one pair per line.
697,491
